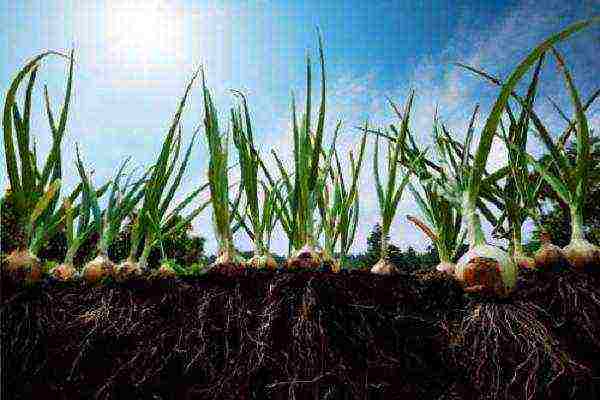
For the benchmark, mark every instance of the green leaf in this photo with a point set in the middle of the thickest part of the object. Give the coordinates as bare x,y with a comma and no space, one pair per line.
583,135
500,104
559,187
7,123
44,201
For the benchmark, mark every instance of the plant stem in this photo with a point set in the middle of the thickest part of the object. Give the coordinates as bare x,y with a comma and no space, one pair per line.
259,247
70,256
576,223
474,233
517,243
103,245
443,253
384,245
226,248
143,262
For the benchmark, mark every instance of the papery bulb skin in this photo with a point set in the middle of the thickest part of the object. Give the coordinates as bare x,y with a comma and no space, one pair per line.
229,259
228,262
127,270
581,254
329,263
306,258
262,262
336,266
97,269
64,272
166,271
549,257
523,261
22,266
384,267
446,267
488,270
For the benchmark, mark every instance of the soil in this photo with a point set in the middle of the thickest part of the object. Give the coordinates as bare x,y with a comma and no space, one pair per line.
301,335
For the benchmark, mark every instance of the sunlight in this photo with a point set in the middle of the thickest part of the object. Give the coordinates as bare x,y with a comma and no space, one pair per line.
143,32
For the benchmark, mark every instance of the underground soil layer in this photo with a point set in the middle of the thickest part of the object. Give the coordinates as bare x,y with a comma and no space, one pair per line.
301,335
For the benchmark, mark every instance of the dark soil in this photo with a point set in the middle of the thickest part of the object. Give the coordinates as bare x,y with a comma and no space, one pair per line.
274,335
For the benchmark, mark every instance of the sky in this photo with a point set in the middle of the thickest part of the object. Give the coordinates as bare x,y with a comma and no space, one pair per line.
134,59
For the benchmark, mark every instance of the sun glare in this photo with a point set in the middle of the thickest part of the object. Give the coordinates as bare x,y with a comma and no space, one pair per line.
143,32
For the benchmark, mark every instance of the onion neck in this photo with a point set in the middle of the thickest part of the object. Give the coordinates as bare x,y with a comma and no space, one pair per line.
545,236
228,251
576,224
384,246
474,232
70,256
444,255
517,245
259,247
36,245
143,261
307,239
105,241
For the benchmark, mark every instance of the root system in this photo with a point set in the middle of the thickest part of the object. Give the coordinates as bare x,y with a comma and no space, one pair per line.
261,334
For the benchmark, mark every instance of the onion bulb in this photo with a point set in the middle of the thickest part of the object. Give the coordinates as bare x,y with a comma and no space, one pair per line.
487,269
549,257
484,269
64,272
97,269
166,271
308,257
582,254
384,267
228,257
128,269
262,261
23,266
446,267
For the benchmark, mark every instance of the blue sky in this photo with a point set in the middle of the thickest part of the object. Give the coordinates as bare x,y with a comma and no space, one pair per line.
135,57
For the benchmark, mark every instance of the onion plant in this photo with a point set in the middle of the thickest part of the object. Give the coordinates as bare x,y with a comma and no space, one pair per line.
296,207
521,190
159,191
44,221
451,180
442,217
390,195
486,268
174,224
29,183
439,183
88,208
569,181
35,192
123,199
442,222
263,217
224,211
339,205
549,255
